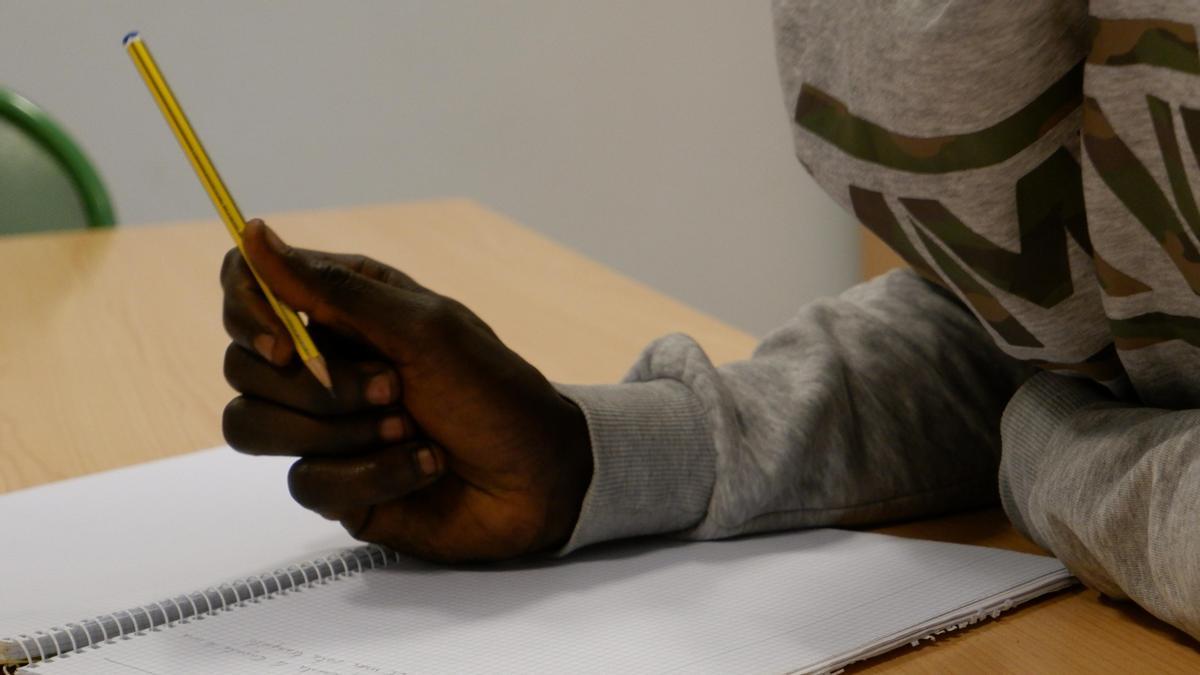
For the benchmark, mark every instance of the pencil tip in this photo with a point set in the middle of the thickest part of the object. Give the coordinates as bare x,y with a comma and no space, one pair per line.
129,37
317,366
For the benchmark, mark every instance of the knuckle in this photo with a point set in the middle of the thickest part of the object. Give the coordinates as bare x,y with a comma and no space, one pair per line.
441,317
231,317
234,366
366,266
379,482
238,313
302,484
332,275
360,263
230,265
236,426
394,277
313,399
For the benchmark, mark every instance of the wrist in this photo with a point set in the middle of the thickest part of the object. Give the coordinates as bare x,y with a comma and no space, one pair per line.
572,464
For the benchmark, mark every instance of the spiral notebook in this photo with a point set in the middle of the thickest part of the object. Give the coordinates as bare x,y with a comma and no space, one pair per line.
202,564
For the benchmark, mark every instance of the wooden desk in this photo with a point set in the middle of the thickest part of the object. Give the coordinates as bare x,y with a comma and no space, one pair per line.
111,348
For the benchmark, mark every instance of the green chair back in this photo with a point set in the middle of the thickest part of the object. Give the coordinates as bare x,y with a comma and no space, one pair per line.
46,182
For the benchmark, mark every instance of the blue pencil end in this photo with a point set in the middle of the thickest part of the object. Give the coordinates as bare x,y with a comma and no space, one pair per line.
128,36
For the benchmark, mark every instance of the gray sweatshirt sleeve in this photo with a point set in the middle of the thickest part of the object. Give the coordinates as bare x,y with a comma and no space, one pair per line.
881,404
1112,490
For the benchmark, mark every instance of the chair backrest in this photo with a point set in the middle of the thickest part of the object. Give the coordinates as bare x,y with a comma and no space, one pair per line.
46,182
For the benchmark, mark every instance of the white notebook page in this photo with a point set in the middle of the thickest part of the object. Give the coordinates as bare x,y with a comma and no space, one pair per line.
759,605
114,540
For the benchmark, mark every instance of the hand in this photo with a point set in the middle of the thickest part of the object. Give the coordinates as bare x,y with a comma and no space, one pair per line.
439,441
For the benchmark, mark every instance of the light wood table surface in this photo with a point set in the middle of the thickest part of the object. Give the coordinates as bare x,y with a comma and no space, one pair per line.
111,347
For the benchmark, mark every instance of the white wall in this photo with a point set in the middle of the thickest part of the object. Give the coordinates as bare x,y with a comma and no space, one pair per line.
650,134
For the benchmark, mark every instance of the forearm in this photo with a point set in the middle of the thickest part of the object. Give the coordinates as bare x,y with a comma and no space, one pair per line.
1112,490
883,403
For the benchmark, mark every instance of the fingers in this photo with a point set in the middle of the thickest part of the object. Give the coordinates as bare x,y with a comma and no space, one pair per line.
341,487
431,524
354,295
248,316
357,385
326,289
419,525
256,427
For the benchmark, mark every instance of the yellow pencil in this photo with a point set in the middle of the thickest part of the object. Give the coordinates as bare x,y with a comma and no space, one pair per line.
221,198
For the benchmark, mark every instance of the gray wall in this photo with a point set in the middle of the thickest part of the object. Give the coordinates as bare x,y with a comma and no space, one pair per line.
649,134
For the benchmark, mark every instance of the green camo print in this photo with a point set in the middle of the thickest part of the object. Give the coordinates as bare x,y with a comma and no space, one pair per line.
1135,187
872,210
1164,129
1154,328
1103,366
1153,42
986,306
1049,204
830,119
1116,284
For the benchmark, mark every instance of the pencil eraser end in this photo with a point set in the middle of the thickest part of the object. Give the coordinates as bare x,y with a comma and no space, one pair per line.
131,35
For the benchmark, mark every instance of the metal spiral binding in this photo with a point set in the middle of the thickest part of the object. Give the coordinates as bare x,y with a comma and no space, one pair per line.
100,630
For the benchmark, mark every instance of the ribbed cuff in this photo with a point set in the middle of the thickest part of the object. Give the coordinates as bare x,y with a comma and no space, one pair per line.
653,460
1034,414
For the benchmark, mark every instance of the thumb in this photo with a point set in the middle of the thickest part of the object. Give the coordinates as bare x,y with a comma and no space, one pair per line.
328,291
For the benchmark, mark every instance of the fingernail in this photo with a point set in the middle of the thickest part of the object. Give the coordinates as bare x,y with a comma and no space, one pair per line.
392,429
427,461
379,389
265,345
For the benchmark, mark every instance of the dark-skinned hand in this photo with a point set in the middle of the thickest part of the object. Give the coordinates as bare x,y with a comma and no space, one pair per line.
439,441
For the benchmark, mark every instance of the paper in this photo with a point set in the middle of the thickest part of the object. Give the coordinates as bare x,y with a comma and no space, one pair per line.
797,601
114,540
760,605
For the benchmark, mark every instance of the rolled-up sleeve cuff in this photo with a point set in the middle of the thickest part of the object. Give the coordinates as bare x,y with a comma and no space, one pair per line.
1038,411
653,460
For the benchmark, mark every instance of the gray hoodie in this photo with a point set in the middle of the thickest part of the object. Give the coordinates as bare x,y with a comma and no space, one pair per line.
1035,164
